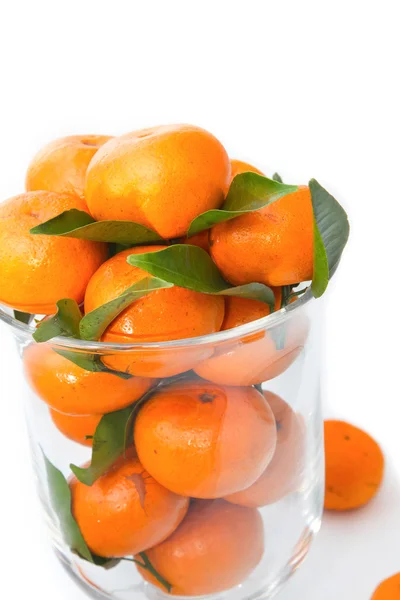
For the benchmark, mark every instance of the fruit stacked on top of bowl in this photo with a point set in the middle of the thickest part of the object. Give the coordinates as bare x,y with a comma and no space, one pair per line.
158,236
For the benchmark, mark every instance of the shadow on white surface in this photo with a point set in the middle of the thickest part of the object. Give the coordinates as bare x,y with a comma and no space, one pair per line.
354,551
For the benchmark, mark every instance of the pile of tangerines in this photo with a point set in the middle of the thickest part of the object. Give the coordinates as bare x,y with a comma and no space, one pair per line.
105,217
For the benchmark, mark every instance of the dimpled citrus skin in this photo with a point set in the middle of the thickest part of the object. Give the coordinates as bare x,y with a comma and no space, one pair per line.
255,357
202,239
61,165
125,511
238,166
76,427
273,245
250,363
203,440
354,466
167,314
239,311
282,475
199,239
72,390
162,177
388,589
215,548
38,270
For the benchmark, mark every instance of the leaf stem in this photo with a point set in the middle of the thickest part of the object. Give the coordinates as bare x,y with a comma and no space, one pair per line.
146,564
286,291
296,295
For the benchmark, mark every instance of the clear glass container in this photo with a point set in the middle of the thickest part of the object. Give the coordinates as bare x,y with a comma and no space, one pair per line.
253,462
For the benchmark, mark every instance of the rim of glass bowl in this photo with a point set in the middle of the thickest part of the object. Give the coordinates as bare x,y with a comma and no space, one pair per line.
268,322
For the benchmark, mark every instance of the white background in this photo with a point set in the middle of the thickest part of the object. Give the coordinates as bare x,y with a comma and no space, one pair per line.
306,88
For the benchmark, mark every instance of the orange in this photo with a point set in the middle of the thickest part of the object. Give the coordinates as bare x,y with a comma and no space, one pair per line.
273,245
282,475
238,166
388,589
255,357
165,314
239,311
215,548
202,239
354,466
125,511
76,428
199,239
38,270
162,177
203,440
61,165
70,389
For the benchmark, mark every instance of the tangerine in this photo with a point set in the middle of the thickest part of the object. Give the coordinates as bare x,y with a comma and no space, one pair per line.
125,511
62,164
69,389
273,245
215,548
162,177
202,239
239,311
354,465
203,440
165,314
255,357
388,589
38,270
199,239
282,475
77,428
238,167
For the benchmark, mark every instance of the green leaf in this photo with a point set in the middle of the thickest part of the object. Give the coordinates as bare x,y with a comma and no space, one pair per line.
297,294
252,291
64,323
149,567
331,232
146,564
277,177
109,442
23,317
321,267
60,498
248,192
114,434
191,267
96,322
79,224
90,362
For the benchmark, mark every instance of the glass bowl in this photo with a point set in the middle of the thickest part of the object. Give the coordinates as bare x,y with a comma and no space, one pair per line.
243,409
